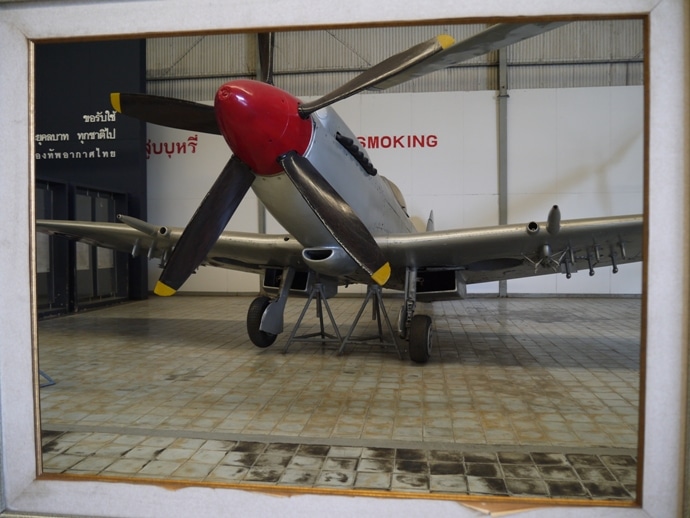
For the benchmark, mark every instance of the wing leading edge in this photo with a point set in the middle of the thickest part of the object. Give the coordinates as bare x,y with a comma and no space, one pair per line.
520,250
234,250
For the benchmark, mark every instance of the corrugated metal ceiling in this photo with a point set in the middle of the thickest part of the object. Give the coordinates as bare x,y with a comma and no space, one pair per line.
582,53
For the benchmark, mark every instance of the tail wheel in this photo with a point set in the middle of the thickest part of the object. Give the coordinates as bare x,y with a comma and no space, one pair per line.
420,338
254,314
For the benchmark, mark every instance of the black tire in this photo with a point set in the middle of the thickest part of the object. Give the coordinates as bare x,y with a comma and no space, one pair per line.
256,311
420,338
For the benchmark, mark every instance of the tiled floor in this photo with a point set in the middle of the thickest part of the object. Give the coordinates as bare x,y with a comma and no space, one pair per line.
522,396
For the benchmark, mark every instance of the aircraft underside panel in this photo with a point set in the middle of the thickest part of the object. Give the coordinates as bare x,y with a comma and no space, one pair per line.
435,285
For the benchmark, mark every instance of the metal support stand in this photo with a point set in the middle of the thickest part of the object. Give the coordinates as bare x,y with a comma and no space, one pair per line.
49,381
317,292
378,311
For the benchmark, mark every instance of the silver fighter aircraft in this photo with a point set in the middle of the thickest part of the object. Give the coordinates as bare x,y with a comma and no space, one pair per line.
346,223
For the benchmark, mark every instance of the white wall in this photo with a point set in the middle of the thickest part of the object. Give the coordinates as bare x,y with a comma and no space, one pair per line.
580,148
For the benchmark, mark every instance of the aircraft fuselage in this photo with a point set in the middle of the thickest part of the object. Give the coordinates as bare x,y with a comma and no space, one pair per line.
271,125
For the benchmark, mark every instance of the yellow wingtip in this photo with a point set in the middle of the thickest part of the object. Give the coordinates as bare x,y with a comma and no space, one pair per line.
445,40
382,275
163,290
115,101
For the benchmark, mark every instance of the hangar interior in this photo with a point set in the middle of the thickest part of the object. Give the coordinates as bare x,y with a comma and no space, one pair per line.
573,88
530,391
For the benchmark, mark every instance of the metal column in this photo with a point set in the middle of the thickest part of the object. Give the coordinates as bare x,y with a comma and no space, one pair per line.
502,150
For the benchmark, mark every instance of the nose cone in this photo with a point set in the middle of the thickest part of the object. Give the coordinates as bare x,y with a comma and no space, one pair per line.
261,123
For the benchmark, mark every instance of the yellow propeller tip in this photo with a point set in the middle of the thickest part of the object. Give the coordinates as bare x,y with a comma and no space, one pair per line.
115,101
445,40
163,290
382,275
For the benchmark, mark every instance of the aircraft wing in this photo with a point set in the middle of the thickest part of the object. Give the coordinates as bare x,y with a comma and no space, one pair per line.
480,254
235,250
514,251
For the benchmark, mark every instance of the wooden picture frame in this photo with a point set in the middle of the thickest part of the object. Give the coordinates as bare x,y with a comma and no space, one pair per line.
665,302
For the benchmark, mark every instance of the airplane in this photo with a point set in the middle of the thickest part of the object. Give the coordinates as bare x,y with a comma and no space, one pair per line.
345,222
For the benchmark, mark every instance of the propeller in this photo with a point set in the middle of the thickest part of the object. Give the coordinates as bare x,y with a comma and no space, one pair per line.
278,121
337,216
387,69
265,42
206,225
434,54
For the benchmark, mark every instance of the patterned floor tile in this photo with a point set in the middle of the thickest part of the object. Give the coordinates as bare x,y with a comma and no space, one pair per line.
518,399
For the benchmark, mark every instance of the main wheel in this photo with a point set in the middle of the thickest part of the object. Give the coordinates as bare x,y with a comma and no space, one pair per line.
420,338
256,311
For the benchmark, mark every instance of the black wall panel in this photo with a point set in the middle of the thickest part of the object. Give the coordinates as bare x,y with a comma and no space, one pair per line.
84,148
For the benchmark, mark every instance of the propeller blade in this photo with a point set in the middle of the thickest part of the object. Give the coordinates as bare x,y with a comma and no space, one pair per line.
387,69
434,54
206,225
166,111
493,38
338,217
265,43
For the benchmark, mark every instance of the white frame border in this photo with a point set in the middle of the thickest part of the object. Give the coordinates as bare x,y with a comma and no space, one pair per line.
666,271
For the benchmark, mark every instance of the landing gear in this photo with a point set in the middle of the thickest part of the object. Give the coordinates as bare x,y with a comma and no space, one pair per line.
265,315
417,328
265,319
254,315
420,338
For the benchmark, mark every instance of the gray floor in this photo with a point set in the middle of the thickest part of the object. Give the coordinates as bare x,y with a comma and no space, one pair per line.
531,397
